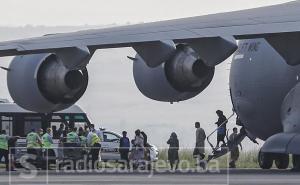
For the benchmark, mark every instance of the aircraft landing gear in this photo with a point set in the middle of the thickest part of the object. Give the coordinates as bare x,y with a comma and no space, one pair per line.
282,161
265,160
296,162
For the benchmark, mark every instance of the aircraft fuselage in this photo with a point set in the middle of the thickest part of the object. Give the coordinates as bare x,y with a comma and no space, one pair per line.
260,79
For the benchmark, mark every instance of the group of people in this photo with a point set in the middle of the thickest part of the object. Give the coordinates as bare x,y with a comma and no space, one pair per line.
139,150
90,137
199,150
68,137
39,142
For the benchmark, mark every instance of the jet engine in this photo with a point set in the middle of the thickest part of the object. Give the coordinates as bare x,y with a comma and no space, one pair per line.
42,83
181,77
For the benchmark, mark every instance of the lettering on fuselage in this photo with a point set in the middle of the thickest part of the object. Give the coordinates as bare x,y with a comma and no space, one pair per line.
249,47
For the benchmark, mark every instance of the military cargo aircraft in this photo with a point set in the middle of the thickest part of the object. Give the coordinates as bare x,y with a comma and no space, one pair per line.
176,61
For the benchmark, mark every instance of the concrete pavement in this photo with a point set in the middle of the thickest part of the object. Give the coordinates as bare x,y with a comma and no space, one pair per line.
234,177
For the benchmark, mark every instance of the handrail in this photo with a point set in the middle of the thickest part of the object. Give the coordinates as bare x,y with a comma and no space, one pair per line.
224,122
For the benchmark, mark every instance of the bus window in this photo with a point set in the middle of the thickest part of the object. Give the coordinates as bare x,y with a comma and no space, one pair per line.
32,122
6,124
75,120
79,118
18,125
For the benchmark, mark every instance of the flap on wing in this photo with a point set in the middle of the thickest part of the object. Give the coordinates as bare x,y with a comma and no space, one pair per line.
156,52
213,50
287,45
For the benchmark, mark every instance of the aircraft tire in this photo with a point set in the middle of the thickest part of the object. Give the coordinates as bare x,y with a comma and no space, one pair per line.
265,160
296,162
282,161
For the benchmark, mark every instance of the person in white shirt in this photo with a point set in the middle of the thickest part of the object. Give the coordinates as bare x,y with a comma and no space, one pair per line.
89,136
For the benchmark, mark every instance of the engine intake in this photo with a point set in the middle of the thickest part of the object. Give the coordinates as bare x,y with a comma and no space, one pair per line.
186,71
181,77
42,83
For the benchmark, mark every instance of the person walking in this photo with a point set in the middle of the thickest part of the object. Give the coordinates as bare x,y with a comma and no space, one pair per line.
73,138
82,138
221,132
47,142
90,133
4,148
173,156
138,152
60,131
47,139
235,153
124,150
147,146
94,142
33,142
12,151
199,151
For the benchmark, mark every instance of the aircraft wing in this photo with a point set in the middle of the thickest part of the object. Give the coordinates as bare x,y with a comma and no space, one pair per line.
252,23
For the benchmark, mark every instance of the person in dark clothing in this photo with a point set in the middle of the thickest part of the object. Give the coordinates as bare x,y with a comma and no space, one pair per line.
60,130
124,149
86,130
145,138
66,131
146,145
55,132
12,151
221,123
173,151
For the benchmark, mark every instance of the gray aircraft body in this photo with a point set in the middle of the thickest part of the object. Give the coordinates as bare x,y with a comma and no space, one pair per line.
176,61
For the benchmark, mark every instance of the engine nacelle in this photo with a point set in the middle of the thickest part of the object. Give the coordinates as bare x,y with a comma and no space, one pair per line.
182,77
41,83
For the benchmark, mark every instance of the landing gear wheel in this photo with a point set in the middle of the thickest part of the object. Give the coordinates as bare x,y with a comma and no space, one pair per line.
265,160
296,162
282,161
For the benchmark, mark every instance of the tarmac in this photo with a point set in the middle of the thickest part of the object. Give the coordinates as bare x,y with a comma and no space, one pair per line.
222,177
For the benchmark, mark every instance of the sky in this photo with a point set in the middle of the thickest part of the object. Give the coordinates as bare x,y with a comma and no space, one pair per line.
112,99
99,12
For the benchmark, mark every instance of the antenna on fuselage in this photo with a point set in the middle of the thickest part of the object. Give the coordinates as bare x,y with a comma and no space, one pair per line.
132,58
4,68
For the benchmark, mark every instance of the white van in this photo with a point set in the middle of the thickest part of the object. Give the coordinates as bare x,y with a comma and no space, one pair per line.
110,144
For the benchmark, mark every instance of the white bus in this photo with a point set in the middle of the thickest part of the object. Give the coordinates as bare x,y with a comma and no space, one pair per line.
18,121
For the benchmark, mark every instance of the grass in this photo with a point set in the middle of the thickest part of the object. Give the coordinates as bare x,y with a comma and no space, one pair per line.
247,159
